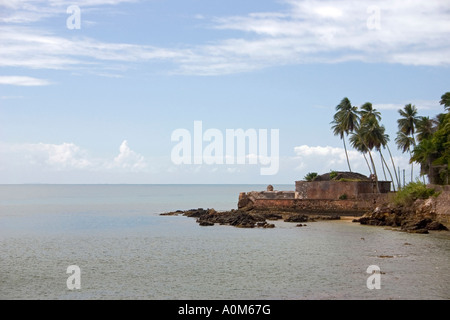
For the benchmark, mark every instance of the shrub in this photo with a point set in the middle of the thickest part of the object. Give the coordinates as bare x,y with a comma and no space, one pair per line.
333,174
413,191
343,197
310,176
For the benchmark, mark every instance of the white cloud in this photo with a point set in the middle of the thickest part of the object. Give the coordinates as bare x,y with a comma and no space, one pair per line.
26,11
69,156
36,49
306,31
128,159
420,104
50,156
23,81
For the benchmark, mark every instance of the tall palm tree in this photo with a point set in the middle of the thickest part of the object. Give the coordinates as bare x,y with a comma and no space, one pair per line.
367,111
384,143
425,128
357,143
345,121
445,100
373,136
424,154
408,121
407,125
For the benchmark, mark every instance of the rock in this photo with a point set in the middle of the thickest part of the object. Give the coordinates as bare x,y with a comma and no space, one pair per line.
272,216
297,218
325,217
205,223
269,187
434,225
195,213
261,224
410,225
418,218
299,225
269,225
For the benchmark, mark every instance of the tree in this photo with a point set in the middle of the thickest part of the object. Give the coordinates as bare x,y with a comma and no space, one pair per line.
433,151
407,126
372,134
344,122
310,176
424,128
408,121
445,100
357,143
368,112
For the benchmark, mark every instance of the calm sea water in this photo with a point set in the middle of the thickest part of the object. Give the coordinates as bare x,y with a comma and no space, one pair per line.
125,250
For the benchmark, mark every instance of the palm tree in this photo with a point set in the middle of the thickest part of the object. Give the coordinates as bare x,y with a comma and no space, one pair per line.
357,143
345,121
372,134
367,111
424,154
425,128
445,100
393,165
408,121
407,125
384,143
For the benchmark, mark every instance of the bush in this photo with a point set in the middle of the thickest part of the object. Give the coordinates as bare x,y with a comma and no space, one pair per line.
333,174
413,191
343,197
310,176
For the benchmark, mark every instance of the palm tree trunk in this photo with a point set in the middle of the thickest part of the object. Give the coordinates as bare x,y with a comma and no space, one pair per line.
393,166
367,162
345,148
382,164
412,166
375,171
389,171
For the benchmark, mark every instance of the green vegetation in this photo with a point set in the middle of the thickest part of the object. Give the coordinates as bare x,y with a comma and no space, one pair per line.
345,121
343,197
349,180
366,133
426,140
333,174
413,191
310,176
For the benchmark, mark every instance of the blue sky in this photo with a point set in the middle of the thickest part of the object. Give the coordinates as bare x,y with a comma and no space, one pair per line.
99,104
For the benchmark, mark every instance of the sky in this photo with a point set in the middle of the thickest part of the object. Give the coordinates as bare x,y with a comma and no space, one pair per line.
95,91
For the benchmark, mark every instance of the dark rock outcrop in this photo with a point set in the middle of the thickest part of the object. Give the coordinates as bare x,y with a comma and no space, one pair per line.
246,219
297,218
418,218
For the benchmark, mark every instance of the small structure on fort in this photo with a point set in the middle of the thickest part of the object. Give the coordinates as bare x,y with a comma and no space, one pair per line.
329,193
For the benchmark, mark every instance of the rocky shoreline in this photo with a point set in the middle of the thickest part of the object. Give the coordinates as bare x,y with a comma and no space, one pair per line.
247,219
418,218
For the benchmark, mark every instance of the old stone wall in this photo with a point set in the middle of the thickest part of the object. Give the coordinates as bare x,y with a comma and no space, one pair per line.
355,207
272,194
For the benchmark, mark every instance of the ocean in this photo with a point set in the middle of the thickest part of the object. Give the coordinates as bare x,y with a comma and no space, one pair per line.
125,250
